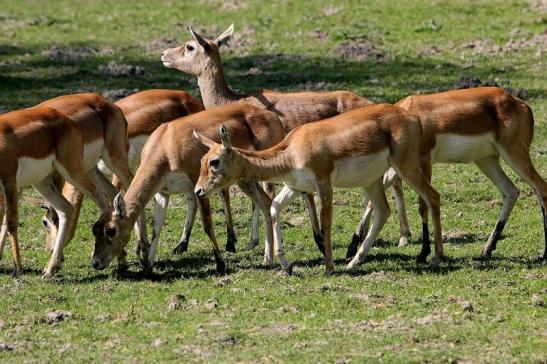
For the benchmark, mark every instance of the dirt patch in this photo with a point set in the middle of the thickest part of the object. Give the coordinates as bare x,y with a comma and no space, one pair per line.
158,45
390,324
241,41
114,68
539,5
224,281
377,301
519,40
315,86
434,318
430,51
54,317
59,52
458,237
360,50
234,5
115,95
332,10
279,329
175,302
319,34
198,352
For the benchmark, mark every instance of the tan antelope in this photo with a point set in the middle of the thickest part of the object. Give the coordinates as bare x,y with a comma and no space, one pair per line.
171,163
475,125
38,142
351,150
201,57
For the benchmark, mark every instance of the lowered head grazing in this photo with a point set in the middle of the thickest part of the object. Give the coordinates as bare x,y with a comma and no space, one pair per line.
218,167
198,55
112,232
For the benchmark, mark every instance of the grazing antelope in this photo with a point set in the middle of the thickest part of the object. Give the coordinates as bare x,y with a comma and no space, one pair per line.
38,142
201,57
475,125
351,150
170,164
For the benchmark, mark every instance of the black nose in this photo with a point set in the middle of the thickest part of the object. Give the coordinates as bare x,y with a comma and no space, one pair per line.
95,265
199,192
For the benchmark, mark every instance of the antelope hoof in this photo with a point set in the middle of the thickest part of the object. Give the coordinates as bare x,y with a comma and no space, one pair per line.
16,273
122,267
329,271
252,244
403,241
421,259
181,248
221,268
268,262
138,250
49,272
354,263
147,270
486,251
230,247
289,269
436,262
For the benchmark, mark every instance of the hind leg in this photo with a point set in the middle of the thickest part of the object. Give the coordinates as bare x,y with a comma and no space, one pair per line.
3,233
404,227
64,211
282,200
492,169
518,158
205,210
381,213
361,230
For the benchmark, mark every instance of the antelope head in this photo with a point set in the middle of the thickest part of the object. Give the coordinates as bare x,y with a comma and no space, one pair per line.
112,232
197,56
219,167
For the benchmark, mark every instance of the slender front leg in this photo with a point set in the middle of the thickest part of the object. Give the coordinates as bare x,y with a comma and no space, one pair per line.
381,213
3,234
191,209
324,190
205,209
255,236
231,239
160,208
11,200
64,212
282,200
140,233
423,209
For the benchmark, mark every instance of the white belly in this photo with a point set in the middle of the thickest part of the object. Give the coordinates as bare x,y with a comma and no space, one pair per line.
92,153
348,172
451,148
177,182
32,171
135,148
360,171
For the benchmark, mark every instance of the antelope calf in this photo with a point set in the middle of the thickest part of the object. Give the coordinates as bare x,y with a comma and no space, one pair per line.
38,142
170,163
350,150
201,57
474,125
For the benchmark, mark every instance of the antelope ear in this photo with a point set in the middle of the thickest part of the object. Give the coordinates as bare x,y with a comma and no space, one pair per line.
200,39
203,139
225,137
119,205
225,36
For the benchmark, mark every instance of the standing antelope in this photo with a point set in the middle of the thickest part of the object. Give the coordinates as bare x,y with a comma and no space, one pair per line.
38,142
350,150
171,163
475,125
201,57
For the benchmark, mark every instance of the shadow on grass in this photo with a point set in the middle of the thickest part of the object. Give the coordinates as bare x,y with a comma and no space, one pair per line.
46,76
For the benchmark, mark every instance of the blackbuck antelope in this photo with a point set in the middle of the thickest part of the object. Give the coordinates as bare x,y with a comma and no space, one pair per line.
144,111
170,163
351,150
40,142
474,125
201,57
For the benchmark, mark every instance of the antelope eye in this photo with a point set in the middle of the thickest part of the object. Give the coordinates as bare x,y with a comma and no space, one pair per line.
214,162
110,232
45,223
189,48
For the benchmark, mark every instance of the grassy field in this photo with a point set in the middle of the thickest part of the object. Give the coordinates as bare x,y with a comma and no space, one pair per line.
389,309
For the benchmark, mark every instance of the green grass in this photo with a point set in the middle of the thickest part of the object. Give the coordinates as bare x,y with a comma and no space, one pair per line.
389,309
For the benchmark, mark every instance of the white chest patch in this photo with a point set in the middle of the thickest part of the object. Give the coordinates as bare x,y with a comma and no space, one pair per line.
177,182
360,171
32,171
135,148
92,153
452,148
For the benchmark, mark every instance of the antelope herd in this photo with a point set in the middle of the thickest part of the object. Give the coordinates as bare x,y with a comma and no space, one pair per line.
157,143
